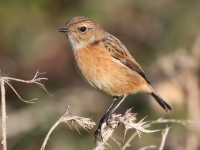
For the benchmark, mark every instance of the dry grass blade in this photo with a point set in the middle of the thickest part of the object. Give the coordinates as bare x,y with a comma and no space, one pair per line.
147,147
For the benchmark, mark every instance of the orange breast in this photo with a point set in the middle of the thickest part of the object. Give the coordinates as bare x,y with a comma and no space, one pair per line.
106,73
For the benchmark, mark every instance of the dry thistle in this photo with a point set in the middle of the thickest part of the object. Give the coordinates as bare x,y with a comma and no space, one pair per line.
128,120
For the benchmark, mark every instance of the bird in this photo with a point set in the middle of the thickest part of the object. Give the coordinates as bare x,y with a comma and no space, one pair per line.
107,64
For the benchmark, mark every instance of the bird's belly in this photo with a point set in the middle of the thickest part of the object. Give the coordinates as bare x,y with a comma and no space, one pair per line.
108,75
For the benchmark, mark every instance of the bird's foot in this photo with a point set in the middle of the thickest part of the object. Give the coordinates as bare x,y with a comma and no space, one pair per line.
107,120
97,133
98,130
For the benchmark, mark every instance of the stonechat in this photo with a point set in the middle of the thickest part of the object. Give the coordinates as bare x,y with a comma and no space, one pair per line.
106,63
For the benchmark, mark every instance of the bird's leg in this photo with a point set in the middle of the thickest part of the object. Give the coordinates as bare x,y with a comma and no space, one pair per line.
108,116
107,111
105,116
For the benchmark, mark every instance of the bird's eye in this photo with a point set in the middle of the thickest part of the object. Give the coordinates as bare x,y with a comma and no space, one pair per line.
83,29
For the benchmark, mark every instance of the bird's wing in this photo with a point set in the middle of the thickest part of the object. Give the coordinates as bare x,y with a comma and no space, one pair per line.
119,52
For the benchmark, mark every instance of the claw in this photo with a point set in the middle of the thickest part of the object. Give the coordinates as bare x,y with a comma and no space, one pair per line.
98,133
108,123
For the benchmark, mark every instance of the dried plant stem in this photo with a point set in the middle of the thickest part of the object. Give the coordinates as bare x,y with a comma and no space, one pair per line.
4,80
86,123
26,101
164,136
106,134
160,120
148,147
129,140
53,127
3,110
129,122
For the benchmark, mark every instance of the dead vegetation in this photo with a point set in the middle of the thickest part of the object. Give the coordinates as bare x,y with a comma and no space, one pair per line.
128,120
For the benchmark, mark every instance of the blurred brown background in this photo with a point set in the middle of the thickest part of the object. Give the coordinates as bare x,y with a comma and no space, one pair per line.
163,36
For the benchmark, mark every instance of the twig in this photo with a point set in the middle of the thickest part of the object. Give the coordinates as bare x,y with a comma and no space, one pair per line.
34,80
26,101
86,123
53,127
4,80
164,136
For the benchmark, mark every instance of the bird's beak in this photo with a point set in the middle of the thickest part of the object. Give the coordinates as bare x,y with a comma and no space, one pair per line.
63,30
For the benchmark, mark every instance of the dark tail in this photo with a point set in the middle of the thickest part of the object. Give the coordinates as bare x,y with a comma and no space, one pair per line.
161,102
